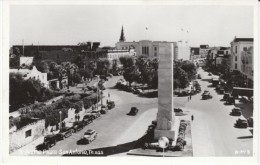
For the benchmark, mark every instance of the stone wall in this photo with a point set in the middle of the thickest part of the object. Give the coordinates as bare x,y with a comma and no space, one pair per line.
18,138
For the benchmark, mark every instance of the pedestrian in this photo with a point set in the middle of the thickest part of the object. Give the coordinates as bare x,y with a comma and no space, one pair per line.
107,101
108,94
192,117
188,98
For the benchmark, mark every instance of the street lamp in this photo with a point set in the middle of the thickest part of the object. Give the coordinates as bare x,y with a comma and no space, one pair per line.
60,119
101,97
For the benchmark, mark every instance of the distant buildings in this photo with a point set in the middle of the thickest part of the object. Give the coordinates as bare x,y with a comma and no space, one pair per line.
145,47
204,51
239,45
194,53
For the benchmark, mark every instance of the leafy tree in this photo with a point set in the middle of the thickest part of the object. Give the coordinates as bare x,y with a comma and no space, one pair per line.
42,67
103,66
180,77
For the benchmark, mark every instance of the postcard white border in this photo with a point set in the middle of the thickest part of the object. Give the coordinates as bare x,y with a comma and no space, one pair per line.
130,159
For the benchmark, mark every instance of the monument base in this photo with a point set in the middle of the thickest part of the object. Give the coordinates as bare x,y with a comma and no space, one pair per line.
170,134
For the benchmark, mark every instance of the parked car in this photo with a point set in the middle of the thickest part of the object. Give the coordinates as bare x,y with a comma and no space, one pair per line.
241,123
206,95
77,126
88,119
184,93
230,100
104,109
236,112
221,90
89,136
226,96
210,74
133,111
96,113
178,110
110,105
110,75
65,132
49,141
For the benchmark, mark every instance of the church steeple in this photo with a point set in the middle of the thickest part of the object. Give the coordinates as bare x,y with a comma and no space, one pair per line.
122,36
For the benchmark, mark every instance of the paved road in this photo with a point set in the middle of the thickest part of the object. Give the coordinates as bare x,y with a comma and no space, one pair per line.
213,132
114,128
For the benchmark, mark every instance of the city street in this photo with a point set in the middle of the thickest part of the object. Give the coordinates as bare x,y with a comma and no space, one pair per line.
213,132
115,127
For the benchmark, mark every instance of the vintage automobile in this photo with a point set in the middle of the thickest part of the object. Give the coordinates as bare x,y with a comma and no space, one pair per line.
230,100
226,96
88,137
240,123
104,109
178,110
133,111
198,76
221,90
88,119
96,113
206,95
49,141
64,133
77,126
236,112
110,105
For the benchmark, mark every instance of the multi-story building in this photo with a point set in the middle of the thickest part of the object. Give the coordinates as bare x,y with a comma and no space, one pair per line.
247,68
203,51
145,47
194,53
239,45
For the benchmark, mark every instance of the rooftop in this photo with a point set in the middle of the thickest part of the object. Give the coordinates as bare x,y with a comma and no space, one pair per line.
243,40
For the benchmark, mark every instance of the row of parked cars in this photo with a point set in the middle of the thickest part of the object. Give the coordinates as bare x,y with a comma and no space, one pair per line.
65,132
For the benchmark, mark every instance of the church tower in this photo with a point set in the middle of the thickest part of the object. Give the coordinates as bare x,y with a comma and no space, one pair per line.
122,36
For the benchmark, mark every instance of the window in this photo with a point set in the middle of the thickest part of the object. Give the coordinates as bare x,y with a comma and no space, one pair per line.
123,48
155,48
235,58
245,48
145,50
155,54
236,49
235,66
28,133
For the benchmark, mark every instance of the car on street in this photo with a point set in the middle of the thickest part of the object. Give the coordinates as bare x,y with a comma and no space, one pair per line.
210,74
236,112
89,136
241,123
230,100
96,113
104,109
49,141
88,119
198,76
102,77
77,126
226,96
206,95
110,105
65,132
133,111
178,110
138,91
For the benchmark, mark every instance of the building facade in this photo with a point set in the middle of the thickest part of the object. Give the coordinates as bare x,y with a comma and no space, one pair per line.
239,45
204,51
247,68
147,48
34,74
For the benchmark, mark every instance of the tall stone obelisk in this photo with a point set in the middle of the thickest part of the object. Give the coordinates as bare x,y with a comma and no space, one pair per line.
165,115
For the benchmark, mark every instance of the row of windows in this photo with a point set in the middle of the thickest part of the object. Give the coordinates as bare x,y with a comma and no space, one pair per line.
244,49
115,55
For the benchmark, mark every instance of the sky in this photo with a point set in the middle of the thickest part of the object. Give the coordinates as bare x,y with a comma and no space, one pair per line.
71,24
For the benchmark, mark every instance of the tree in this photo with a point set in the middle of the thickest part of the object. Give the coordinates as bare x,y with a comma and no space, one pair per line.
42,67
180,77
103,66
190,69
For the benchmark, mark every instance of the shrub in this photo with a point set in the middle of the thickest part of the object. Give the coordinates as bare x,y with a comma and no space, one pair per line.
178,147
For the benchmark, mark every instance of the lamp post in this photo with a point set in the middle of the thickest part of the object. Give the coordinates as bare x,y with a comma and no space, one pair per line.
101,93
60,119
